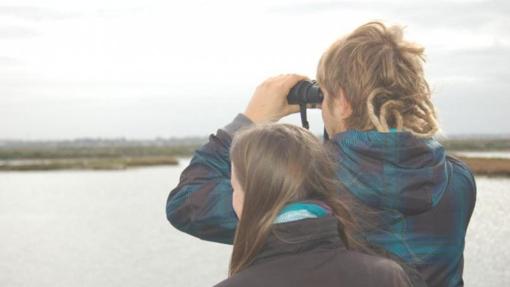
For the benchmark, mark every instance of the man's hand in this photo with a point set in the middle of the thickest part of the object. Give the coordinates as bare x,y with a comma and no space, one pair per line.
269,102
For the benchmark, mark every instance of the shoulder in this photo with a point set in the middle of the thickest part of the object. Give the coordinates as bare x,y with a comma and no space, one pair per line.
227,283
239,279
462,185
461,169
461,176
379,270
375,262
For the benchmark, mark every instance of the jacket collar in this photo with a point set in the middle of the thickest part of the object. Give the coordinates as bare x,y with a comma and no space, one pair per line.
392,171
300,236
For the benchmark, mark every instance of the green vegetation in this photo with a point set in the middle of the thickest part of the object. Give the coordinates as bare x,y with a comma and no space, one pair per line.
65,152
92,155
86,163
122,154
476,144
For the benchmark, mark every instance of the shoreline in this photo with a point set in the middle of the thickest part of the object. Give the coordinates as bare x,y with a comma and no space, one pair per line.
118,163
485,166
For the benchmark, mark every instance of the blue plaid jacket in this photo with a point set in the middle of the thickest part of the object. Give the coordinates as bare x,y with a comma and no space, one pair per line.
424,199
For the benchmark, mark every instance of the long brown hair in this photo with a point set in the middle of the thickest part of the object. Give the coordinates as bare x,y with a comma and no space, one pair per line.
382,77
276,164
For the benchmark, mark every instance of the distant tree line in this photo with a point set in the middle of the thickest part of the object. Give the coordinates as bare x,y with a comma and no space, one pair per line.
119,148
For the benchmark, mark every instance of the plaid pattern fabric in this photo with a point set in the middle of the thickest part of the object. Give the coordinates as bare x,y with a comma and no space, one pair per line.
424,199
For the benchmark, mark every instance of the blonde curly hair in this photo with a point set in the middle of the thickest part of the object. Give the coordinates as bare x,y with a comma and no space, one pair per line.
382,77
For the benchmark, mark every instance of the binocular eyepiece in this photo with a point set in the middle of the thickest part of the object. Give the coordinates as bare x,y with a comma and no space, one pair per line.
305,92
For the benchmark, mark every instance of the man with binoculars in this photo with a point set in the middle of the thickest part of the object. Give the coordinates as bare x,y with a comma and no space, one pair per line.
380,120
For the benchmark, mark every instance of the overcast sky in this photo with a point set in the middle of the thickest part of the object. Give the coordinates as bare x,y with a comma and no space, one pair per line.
143,69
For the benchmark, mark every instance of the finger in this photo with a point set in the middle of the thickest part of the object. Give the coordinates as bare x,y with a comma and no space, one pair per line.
291,80
286,77
291,109
298,75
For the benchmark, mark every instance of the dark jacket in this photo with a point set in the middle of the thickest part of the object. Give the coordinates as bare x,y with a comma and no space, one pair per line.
424,198
310,252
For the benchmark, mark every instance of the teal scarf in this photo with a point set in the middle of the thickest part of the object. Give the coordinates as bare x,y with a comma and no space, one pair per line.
301,210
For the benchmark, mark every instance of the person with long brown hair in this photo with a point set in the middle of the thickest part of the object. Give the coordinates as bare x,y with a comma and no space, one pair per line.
293,228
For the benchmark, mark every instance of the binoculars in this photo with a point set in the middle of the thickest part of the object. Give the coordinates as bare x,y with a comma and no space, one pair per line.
304,93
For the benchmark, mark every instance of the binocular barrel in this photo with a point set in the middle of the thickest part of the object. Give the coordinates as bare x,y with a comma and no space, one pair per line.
305,92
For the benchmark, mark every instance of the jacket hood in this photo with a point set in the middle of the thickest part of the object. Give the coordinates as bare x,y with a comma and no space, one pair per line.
395,171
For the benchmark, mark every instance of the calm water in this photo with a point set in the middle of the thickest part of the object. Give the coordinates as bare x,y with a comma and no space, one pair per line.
108,228
487,154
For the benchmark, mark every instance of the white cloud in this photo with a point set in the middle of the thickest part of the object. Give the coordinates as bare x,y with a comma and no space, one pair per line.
109,57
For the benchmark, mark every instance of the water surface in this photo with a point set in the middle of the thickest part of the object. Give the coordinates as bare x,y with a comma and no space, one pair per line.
108,228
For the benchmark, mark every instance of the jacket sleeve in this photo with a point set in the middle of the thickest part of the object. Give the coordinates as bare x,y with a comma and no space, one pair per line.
201,204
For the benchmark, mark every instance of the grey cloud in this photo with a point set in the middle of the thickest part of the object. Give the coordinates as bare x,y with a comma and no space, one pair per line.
469,16
473,108
112,13
314,7
33,13
9,61
489,65
481,99
439,14
499,6
17,32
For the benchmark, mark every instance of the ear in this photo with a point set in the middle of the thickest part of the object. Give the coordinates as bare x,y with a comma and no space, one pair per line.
342,105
